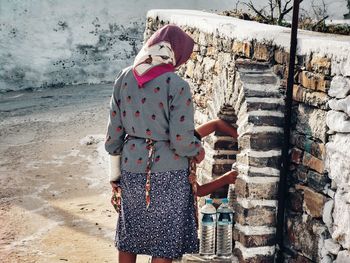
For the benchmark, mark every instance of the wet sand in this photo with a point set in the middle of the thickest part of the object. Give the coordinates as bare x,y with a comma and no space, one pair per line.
54,190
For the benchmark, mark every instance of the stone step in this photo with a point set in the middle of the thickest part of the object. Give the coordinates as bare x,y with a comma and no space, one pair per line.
259,78
256,103
196,258
262,90
246,65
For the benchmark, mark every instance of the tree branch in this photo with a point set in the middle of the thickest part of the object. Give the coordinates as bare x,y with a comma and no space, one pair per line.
259,13
319,22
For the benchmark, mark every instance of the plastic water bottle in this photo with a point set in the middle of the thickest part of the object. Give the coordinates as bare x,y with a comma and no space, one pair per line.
207,233
224,230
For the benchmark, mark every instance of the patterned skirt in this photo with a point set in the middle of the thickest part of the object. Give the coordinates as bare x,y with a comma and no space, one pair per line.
167,229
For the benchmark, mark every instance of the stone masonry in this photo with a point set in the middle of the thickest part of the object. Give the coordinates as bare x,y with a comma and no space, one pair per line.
243,82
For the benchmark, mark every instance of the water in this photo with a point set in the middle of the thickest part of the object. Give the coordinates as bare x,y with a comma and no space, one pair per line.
208,226
224,230
17,104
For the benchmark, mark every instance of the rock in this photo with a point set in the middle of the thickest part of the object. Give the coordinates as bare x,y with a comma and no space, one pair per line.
338,121
304,235
242,48
314,81
327,214
313,98
281,56
314,202
296,155
340,87
337,159
311,122
313,163
262,52
295,200
320,64
341,215
310,146
326,259
331,246
203,39
340,105
317,181
190,68
343,257
208,64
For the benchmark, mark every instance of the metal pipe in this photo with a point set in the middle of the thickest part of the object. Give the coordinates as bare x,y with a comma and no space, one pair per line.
282,188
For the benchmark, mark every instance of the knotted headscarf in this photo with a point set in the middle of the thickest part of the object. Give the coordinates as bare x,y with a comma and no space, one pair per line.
167,49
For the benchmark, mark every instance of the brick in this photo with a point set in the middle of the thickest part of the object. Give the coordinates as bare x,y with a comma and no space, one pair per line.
255,259
313,163
313,98
242,48
260,141
266,120
225,145
255,216
273,162
260,105
310,146
314,81
262,52
254,240
281,56
296,155
256,191
314,202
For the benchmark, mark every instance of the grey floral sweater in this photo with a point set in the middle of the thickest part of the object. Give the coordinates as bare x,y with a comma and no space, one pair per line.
161,110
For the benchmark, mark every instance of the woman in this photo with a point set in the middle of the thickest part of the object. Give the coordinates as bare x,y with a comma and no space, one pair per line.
150,135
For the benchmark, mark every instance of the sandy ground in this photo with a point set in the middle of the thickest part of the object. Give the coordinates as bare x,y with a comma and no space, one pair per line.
54,192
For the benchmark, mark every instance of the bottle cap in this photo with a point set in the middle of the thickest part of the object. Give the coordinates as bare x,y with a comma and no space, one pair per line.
224,200
208,200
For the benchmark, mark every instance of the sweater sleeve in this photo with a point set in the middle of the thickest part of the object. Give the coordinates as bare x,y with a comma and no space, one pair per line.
181,122
115,130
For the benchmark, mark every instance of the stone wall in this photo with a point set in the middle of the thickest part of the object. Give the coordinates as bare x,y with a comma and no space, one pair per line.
244,82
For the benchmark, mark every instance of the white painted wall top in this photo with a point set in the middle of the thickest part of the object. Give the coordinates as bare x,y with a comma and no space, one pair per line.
335,46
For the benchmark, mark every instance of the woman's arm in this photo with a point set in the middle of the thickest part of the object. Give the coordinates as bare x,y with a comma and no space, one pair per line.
227,178
216,125
115,133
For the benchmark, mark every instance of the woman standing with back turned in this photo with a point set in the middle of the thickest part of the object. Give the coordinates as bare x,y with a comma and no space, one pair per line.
150,139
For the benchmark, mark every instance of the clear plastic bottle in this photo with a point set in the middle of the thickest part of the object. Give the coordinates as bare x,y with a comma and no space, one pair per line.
207,233
224,230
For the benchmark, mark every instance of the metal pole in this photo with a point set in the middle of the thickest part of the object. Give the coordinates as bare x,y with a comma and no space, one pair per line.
282,188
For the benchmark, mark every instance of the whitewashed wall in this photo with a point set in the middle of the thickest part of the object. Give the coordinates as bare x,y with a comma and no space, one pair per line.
70,42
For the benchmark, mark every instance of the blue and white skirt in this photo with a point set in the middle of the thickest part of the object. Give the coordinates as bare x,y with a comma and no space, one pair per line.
167,228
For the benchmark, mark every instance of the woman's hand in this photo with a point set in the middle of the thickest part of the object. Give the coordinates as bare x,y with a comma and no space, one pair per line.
231,176
114,185
200,156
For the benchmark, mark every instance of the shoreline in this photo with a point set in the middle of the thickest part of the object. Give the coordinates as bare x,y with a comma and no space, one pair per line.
55,195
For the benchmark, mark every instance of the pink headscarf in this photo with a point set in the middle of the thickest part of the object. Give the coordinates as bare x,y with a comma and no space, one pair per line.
167,49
